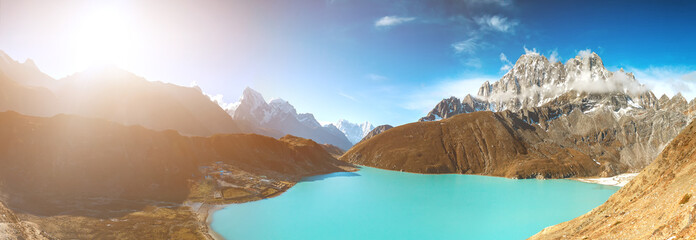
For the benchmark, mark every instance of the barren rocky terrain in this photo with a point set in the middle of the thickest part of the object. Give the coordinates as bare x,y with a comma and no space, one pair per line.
657,204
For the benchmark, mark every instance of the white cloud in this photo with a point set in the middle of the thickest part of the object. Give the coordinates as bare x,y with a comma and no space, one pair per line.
553,57
347,96
498,23
619,81
667,80
218,98
389,21
468,46
585,53
376,77
507,65
502,3
533,51
473,62
425,98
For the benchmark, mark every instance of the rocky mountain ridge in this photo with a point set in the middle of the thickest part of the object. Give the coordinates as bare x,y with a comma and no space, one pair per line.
609,118
113,94
281,116
534,81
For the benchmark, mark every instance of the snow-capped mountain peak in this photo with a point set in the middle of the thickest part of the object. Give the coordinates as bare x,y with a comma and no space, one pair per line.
281,106
281,116
354,132
253,98
534,81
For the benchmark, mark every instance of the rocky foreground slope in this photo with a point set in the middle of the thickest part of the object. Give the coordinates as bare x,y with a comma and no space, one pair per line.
557,113
658,204
87,178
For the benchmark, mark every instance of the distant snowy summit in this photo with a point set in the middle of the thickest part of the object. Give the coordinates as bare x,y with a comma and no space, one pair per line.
353,131
281,116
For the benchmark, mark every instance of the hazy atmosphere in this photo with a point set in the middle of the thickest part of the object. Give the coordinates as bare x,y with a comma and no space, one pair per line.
387,62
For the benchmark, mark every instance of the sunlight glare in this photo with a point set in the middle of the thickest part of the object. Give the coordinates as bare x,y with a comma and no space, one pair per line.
103,36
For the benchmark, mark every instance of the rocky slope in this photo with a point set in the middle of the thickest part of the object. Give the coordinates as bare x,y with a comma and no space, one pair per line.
95,169
13,228
281,116
658,204
607,116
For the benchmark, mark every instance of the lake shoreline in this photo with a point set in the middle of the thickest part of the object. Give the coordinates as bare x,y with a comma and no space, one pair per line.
618,180
380,180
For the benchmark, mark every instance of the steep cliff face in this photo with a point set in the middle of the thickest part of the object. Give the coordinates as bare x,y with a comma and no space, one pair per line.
658,204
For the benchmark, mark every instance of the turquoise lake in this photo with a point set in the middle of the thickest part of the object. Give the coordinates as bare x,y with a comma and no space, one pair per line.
380,204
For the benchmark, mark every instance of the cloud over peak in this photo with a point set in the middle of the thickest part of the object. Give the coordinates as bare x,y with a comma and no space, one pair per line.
389,21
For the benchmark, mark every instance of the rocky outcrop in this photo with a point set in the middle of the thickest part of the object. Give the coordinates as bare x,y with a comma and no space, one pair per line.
281,116
13,228
658,204
379,129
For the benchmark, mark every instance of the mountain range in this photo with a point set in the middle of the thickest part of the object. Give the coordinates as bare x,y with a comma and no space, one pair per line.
354,132
114,94
280,116
602,123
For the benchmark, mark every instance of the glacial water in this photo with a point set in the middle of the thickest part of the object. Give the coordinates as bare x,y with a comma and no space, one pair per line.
380,204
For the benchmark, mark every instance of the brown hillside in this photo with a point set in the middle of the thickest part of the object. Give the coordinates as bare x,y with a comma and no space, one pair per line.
47,163
658,204
476,143
333,150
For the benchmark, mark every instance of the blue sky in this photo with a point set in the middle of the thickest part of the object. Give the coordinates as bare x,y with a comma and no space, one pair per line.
387,62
